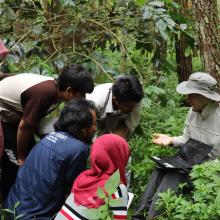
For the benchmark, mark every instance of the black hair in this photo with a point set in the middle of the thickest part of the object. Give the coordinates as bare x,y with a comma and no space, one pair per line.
127,88
76,77
75,116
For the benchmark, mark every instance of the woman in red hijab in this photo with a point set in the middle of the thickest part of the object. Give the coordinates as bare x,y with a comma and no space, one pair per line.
109,153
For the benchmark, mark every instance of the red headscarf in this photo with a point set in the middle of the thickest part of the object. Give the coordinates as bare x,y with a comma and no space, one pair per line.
3,50
109,152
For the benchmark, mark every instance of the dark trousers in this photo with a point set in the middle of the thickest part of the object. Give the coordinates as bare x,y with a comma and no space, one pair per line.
9,163
160,181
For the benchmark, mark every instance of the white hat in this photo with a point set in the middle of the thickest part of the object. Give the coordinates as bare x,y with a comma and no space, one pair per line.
200,83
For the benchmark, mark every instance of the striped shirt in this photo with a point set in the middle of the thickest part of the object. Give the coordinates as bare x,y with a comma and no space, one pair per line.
72,211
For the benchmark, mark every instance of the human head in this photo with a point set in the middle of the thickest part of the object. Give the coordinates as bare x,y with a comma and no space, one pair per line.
197,102
200,88
74,82
115,151
78,118
109,153
127,92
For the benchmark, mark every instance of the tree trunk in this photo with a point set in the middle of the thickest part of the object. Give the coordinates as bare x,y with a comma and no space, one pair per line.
184,63
206,19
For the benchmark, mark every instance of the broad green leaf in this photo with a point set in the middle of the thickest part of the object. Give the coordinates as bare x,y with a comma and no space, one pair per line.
147,13
108,217
49,1
93,214
157,3
100,193
163,35
99,213
103,212
112,183
161,25
160,10
115,202
19,216
169,21
17,204
69,2
8,210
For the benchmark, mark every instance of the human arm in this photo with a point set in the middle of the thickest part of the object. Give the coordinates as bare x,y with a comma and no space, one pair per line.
24,137
166,140
162,139
35,102
182,139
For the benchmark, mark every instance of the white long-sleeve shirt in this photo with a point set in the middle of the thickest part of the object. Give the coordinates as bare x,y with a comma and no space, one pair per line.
204,127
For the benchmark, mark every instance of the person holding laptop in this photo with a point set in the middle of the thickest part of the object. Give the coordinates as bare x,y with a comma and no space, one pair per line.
202,124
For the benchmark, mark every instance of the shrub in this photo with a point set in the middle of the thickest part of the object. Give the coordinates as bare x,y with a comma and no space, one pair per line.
202,203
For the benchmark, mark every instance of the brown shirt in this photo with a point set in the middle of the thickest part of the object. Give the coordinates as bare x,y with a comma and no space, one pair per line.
37,100
26,96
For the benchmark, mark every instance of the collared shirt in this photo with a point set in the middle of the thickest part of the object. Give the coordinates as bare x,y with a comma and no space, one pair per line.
204,127
102,97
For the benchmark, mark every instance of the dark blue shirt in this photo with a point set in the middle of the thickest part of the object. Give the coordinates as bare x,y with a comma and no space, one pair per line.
47,175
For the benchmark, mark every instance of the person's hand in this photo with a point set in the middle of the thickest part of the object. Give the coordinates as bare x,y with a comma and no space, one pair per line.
162,139
21,161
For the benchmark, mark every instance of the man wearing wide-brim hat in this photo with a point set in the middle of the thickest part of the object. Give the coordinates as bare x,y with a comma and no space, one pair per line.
202,124
203,119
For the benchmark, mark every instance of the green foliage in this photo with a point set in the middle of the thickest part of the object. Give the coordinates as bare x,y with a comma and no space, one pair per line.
157,117
103,212
62,32
202,203
13,212
155,10
108,37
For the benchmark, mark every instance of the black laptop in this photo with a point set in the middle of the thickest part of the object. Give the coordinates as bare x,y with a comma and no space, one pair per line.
171,162
191,153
